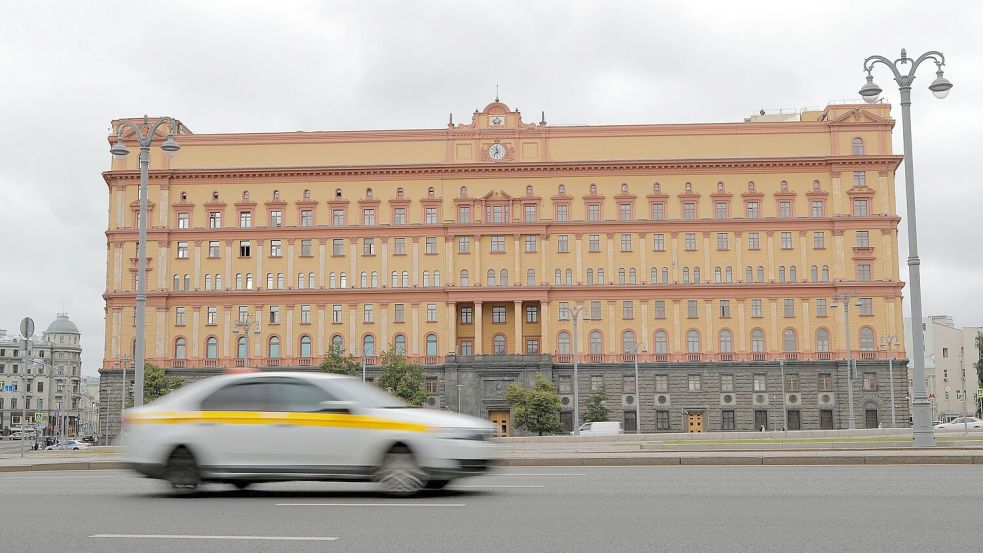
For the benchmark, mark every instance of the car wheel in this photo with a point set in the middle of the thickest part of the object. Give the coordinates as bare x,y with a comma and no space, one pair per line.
182,470
241,484
437,484
399,474
75,449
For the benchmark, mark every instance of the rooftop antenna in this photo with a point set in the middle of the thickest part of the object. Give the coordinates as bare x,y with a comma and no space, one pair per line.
542,117
496,92
450,122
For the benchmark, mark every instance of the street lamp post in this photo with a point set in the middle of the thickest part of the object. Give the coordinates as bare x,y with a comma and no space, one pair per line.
781,364
922,433
575,313
844,298
965,400
245,324
638,388
459,388
888,343
145,135
124,361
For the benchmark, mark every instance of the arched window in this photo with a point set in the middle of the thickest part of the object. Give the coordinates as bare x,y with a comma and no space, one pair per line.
531,277
717,275
305,346
394,279
857,147
399,192
430,192
249,281
180,349
569,276
187,283
368,345
241,352
750,186
793,274
465,278
783,186
214,195
665,275
654,275
364,279
300,281
498,344
426,279
269,281
749,274
279,281
368,192
825,273
561,190
758,341
632,276
628,343
661,341
624,188
593,189
781,273
789,340
436,279
816,186
528,190
503,278
656,188
490,277
688,187
337,343
720,187
867,339
600,275
814,273
211,348
399,341
343,280
822,340
375,279
760,276
274,347
218,281
622,275
696,275
405,276
337,192
685,275
596,343
558,276
310,279
726,341
563,343
307,193
729,275
332,283
208,282
590,276
693,341
431,345
276,194
245,194
464,191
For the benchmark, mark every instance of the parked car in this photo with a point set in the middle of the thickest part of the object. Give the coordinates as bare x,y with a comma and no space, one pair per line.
91,440
960,423
604,428
22,435
68,445
262,427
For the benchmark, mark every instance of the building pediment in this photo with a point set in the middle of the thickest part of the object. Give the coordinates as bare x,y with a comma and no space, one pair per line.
857,115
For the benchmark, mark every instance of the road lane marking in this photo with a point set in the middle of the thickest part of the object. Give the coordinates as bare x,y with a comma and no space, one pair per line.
476,486
492,475
51,477
370,504
193,537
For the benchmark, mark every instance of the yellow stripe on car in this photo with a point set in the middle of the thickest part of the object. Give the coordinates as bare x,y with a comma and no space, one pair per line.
338,420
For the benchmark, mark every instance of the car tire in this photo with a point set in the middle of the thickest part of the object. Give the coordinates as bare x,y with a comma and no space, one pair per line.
182,470
398,474
241,484
437,484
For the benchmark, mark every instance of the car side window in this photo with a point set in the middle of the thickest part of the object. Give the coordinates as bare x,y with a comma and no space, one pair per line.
296,396
241,396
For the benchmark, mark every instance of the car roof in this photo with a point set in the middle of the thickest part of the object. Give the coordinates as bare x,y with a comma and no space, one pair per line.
195,391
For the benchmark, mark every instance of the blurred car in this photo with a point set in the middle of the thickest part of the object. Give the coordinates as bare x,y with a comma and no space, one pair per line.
960,423
21,435
91,440
601,428
262,427
68,445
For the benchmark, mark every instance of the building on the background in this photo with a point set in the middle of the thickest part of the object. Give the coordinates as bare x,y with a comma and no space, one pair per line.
48,386
89,407
951,355
716,250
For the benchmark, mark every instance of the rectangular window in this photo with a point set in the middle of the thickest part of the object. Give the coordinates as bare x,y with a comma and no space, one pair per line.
689,210
276,248
432,385
692,309
786,238
825,382
819,240
530,243
753,241
182,250
305,314
722,241
662,421
529,213
785,209
660,309
694,383
430,216
564,385
628,384
243,313
276,218
627,309
431,312
752,210
368,216
499,314
211,316
463,244
399,313
720,210
860,207
726,383
214,249
368,313
214,219
759,382
183,220
245,219
338,217
431,245
625,242
725,309
562,243
789,305
399,216
244,248
863,239
497,244
338,246
870,382
659,242
594,243
532,313
596,381
495,214
866,306
624,212
595,310
818,208
690,241
593,212
463,214
564,312
791,382
274,314
727,420
859,178
863,272
368,246
562,213
821,307
467,347
467,315
179,316
306,247
658,211
756,308
336,314
532,346
306,218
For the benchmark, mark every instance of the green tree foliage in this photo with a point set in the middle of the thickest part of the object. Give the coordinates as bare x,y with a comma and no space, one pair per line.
536,410
596,410
156,384
338,362
979,364
403,378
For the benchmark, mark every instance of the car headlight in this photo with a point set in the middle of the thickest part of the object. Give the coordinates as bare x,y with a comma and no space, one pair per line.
463,433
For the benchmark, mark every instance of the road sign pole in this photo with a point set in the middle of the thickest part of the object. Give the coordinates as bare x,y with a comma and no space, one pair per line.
26,330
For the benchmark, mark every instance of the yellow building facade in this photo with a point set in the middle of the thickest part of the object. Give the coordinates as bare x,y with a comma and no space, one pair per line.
696,245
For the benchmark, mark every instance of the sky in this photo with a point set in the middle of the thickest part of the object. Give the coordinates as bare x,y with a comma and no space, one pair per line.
68,68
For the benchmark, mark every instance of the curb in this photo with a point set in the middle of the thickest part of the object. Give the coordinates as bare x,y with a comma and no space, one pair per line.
748,460
68,465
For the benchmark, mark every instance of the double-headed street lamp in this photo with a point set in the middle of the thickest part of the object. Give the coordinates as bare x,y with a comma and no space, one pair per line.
638,388
576,312
145,136
922,433
245,324
888,342
845,298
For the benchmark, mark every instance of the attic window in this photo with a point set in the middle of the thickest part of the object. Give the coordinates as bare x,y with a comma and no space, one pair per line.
368,192
528,190
720,187
307,194
215,195
563,189
689,187
784,186
184,196
430,192
624,188
464,191
245,194
750,186
815,186
656,188
399,192
276,194
337,192
593,189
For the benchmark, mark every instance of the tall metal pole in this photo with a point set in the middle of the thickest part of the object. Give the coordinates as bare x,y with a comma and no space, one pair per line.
923,435
141,299
962,368
888,343
576,388
27,385
781,363
844,298
459,388
638,396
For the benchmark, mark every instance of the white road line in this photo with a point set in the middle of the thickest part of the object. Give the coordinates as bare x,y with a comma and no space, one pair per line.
479,486
370,504
492,475
191,537
51,477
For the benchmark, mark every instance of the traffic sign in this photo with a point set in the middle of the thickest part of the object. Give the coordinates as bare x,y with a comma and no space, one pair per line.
37,425
27,327
8,388
38,417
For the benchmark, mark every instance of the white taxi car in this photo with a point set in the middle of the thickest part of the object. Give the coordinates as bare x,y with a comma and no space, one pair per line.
275,426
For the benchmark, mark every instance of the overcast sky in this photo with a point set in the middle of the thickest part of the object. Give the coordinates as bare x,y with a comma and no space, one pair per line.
68,68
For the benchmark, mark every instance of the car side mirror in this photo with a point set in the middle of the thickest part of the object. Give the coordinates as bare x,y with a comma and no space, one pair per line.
335,407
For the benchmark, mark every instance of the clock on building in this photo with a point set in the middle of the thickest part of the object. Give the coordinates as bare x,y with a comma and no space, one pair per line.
496,151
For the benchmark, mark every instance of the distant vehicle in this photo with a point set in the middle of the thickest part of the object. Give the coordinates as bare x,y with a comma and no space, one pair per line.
278,426
68,445
605,428
960,423
20,435
90,440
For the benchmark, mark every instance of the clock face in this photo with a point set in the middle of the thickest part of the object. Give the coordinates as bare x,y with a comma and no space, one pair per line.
496,151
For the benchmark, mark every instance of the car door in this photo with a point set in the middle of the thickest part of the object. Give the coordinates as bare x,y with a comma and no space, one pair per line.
231,433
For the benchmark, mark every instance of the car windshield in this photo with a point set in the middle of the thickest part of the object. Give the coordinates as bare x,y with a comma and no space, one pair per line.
350,389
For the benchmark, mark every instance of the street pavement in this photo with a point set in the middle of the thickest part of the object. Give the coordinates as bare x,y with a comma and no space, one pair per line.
571,509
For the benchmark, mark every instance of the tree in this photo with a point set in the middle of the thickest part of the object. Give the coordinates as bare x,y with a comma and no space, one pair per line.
596,410
979,364
536,410
402,378
156,384
338,362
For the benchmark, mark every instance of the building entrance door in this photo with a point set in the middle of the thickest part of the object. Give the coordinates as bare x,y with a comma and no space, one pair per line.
501,418
695,422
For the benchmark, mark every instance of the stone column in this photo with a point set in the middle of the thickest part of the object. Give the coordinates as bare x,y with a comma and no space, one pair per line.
545,340
519,349
478,336
451,326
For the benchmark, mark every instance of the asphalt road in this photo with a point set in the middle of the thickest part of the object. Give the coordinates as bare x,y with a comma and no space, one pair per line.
727,509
